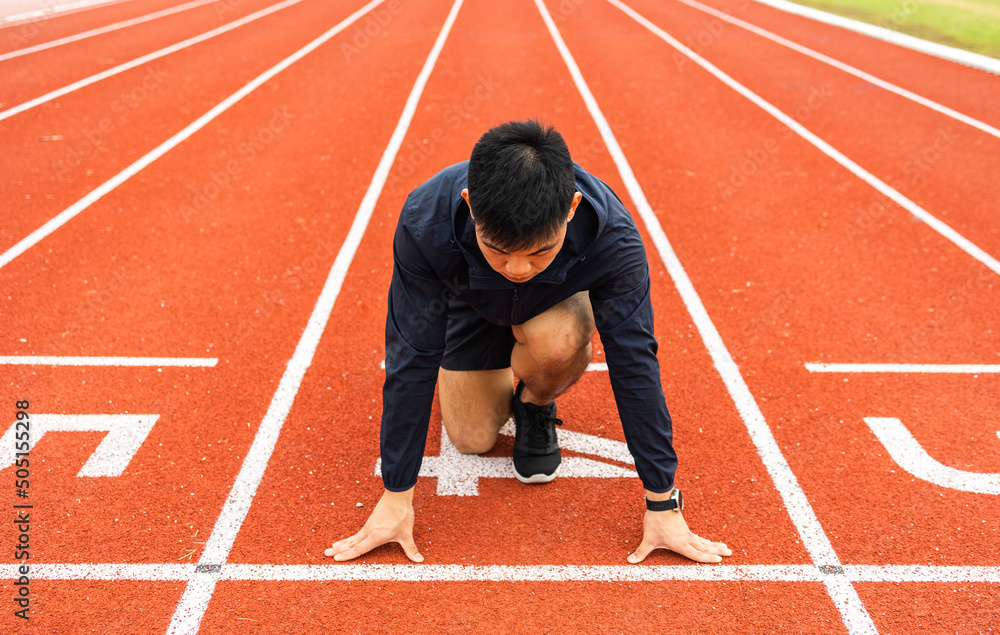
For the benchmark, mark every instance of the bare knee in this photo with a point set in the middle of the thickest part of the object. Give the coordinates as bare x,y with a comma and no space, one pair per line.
562,352
559,338
474,404
473,439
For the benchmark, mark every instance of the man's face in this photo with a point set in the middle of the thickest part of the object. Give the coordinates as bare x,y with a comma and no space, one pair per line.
523,265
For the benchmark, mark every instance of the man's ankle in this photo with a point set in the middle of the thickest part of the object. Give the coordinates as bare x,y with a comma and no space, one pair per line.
527,397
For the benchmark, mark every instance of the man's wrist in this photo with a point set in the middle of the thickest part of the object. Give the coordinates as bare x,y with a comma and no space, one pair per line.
673,502
655,496
404,497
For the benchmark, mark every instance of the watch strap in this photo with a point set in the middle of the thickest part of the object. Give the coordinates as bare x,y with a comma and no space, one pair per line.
670,504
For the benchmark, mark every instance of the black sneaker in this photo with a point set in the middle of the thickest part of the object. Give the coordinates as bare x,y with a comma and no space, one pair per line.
536,447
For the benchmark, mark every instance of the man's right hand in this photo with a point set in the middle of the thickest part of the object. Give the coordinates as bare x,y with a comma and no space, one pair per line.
391,521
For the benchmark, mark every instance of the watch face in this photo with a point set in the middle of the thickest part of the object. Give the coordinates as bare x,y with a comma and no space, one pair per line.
679,498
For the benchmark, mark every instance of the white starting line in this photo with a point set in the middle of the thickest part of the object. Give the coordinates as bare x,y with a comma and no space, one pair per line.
501,573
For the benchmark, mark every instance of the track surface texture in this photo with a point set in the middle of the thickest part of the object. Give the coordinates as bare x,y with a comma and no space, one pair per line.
195,250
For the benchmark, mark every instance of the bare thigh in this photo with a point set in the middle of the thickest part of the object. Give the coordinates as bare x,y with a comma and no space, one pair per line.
474,406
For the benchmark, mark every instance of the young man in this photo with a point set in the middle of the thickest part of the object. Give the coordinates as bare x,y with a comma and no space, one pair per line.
505,265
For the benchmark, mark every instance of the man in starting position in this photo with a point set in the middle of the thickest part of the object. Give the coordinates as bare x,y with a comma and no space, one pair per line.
504,265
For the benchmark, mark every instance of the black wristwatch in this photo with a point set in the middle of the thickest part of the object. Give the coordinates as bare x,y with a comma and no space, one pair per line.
675,502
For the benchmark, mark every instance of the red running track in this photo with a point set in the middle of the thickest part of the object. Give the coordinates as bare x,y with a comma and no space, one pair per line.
220,250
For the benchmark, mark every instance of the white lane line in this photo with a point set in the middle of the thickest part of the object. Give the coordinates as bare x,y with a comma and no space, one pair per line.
104,29
903,368
814,538
29,360
953,54
194,602
942,228
139,61
94,195
881,83
911,456
72,7
499,573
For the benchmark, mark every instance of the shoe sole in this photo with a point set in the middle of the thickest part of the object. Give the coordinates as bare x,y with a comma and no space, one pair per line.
535,478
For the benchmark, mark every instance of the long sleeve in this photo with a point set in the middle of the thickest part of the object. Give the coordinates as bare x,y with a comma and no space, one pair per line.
623,312
414,343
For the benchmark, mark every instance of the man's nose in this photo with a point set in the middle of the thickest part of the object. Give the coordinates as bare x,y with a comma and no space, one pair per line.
518,267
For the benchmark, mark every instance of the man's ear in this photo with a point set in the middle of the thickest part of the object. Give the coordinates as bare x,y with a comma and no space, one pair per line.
465,195
572,208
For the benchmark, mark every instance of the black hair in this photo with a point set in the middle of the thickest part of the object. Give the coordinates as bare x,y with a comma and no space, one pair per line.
521,184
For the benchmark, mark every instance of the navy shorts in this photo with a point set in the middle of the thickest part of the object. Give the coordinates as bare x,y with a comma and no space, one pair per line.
472,343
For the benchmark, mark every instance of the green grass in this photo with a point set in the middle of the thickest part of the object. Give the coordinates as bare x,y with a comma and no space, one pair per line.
973,25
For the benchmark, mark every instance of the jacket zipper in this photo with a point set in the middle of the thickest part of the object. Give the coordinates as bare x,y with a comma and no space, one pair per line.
513,308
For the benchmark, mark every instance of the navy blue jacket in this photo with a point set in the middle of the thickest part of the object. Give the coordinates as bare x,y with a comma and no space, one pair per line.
436,256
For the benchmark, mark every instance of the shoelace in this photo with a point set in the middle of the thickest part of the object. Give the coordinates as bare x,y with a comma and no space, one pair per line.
539,426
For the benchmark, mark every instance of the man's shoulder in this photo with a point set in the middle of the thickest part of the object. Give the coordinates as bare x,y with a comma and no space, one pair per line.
434,200
456,174
605,202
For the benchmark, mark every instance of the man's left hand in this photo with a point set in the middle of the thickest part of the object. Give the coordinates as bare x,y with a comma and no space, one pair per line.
669,530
